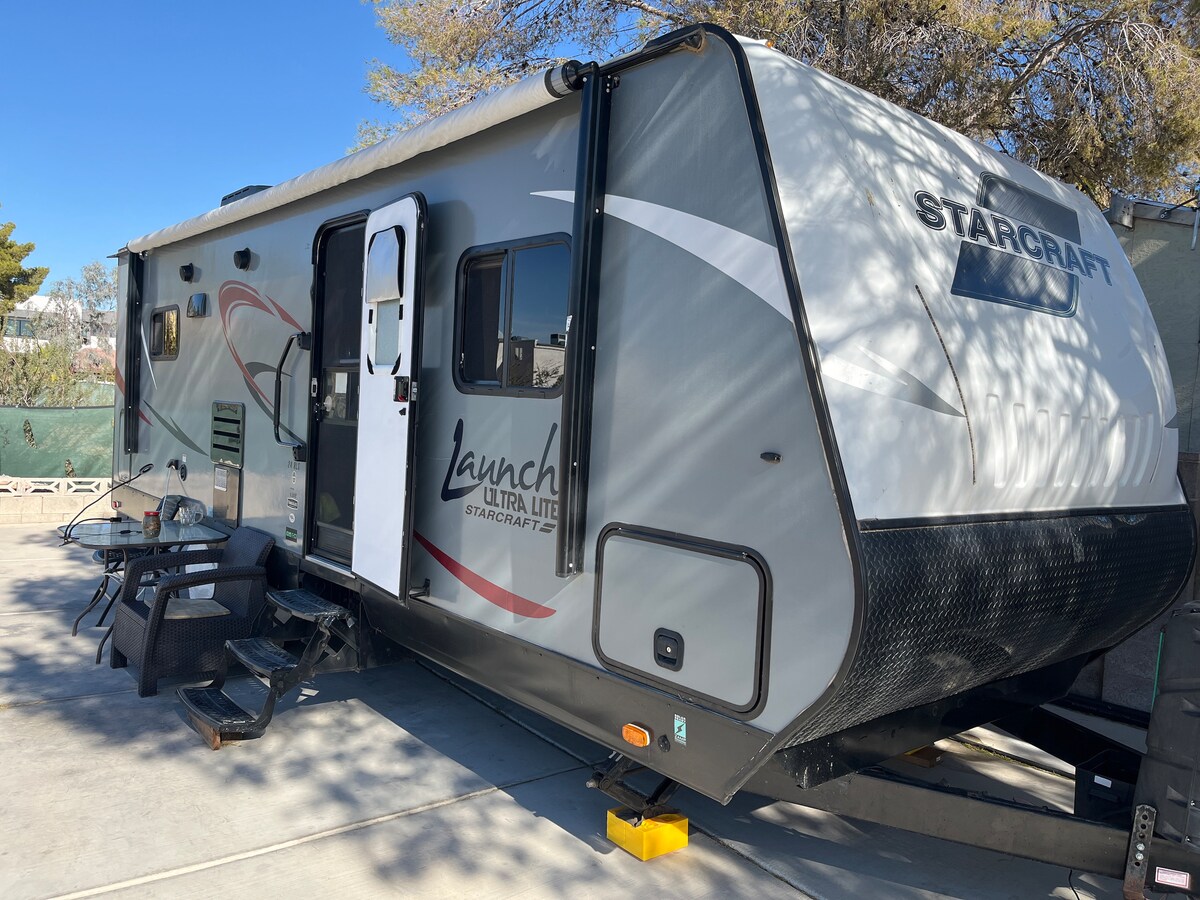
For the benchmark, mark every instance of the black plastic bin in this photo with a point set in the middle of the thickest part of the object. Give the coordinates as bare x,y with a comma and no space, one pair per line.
1104,787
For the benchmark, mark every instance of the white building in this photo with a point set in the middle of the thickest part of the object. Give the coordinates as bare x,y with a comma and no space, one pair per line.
36,321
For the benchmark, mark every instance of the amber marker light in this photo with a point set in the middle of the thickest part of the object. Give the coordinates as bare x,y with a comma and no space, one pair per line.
636,735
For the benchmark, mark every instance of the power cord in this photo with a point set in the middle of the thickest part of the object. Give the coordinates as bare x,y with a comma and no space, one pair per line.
67,531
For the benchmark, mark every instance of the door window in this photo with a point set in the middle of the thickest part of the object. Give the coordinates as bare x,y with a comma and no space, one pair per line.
384,291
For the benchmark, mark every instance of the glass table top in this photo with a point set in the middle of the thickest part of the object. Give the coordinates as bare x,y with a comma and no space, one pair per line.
128,534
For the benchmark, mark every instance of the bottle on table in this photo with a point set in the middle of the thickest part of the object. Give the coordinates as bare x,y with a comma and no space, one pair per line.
151,524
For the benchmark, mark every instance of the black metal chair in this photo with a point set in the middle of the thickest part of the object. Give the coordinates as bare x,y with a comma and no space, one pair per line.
162,641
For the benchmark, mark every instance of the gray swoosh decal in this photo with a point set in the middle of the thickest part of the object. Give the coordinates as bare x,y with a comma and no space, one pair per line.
752,263
879,376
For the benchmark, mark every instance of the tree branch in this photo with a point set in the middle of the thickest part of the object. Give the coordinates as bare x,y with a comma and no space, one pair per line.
649,10
1044,57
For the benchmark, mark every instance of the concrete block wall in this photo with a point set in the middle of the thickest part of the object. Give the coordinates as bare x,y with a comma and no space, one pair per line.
21,509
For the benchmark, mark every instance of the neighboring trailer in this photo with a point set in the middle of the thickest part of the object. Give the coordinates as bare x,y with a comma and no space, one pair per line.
695,390
1163,246
1162,243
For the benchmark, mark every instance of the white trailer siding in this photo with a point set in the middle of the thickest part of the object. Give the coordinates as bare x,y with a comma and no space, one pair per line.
945,404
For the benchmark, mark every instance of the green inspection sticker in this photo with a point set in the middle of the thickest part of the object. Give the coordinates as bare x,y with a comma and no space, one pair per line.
681,730
291,534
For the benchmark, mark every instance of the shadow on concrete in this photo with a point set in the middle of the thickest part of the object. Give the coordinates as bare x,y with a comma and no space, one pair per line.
402,779
354,752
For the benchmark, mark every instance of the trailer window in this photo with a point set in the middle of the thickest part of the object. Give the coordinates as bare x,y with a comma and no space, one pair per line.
482,336
513,317
164,333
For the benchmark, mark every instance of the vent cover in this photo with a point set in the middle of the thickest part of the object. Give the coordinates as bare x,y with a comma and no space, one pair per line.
242,193
228,426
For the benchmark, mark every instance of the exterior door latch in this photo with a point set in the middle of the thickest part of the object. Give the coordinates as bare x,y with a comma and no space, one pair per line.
400,394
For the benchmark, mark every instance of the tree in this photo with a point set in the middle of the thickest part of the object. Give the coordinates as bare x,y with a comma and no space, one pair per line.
95,292
40,375
41,370
59,322
45,370
1102,94
17,282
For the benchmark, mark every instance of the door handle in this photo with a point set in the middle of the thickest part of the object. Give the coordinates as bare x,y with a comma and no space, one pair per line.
303,340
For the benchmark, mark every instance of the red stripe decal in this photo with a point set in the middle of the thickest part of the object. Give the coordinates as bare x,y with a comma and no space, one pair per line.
232,295
492,593
283,314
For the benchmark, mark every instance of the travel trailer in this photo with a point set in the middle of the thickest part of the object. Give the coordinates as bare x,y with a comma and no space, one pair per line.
722,412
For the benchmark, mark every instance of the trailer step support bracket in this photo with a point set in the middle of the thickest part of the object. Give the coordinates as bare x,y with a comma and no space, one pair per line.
1134,886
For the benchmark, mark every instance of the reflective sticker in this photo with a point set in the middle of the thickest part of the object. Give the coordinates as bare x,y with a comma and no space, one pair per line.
1172,878
681,730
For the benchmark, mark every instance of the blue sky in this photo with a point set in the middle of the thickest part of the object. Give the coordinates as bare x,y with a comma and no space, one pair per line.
123,117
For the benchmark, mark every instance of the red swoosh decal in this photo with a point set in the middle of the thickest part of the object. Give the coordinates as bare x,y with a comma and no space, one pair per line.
490,592
232,295
283,314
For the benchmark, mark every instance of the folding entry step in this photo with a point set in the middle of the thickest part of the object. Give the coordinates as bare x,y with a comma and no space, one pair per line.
218,713
262,657
218,717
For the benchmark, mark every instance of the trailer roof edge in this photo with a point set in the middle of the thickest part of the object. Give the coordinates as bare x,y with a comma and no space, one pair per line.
525,96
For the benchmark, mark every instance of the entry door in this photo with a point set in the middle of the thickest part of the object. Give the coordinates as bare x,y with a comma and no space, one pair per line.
388,370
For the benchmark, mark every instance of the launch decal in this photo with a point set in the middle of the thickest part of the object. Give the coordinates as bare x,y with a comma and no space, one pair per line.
518,493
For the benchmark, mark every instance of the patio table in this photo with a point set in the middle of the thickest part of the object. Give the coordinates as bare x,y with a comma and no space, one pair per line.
125,536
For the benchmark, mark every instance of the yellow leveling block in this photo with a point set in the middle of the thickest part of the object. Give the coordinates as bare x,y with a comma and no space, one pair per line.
654,837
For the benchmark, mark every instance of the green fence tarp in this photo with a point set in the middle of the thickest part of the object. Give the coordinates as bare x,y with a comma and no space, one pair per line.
43,442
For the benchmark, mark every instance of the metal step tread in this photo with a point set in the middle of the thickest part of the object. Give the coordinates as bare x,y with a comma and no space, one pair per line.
261,656
307,605
215,707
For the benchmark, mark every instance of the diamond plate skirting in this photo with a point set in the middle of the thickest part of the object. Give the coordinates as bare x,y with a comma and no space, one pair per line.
952,607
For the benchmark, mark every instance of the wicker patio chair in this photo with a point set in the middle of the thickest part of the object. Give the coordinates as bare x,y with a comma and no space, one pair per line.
162,641
114,563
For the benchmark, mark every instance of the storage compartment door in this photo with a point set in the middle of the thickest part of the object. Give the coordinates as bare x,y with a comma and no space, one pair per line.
684,614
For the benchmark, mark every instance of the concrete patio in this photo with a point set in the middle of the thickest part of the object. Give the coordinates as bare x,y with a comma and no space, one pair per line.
399,781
